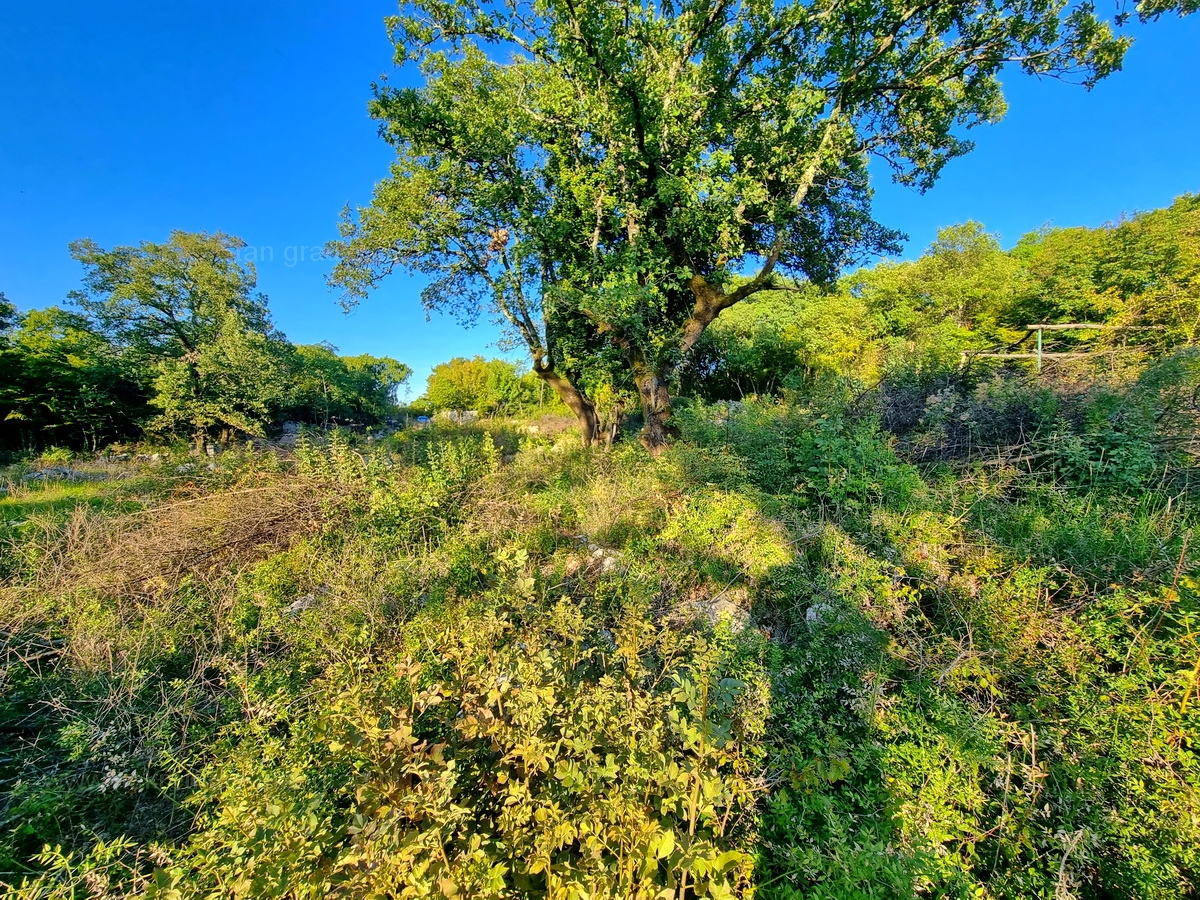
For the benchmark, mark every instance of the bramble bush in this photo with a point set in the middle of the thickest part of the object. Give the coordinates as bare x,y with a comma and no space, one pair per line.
545,756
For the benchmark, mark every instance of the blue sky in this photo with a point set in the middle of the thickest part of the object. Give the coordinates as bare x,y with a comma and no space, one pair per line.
125,120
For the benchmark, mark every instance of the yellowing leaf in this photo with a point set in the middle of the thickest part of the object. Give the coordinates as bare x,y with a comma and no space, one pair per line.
666,844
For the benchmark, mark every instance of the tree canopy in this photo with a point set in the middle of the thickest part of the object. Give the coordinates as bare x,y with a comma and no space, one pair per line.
598,174
166,300
64,384
487,386
327,389
187,310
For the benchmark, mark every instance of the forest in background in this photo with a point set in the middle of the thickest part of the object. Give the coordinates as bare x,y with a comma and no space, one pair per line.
171,341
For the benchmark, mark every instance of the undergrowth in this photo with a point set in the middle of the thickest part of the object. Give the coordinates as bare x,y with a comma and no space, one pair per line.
778,660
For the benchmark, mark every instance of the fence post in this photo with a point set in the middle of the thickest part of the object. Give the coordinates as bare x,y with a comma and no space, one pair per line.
1039,351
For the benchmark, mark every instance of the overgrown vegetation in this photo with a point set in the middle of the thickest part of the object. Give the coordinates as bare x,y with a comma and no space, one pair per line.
779,659
880,608
921,326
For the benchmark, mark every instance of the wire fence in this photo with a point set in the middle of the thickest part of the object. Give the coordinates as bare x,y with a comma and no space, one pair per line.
1040,354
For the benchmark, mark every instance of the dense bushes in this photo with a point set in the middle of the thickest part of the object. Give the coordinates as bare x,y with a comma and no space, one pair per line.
914,327
531,750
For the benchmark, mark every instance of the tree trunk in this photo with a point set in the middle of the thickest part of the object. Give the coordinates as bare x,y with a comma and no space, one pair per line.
584,409
613,428
656,408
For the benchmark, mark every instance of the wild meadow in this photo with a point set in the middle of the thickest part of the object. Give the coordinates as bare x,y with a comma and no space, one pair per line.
752,572
779,659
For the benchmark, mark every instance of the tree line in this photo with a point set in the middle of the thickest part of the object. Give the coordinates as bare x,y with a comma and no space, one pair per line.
172,340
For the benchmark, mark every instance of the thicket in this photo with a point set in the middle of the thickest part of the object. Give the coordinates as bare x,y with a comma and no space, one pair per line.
917,325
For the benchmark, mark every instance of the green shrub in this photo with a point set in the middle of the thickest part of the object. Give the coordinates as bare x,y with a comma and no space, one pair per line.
831,458
542,755
727,529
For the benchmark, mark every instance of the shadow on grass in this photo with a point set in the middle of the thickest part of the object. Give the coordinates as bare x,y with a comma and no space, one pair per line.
830,822
942,722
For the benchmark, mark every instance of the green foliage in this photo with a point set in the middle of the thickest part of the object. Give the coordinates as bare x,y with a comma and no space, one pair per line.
68,876
1114,448
916,326
601,173
814,456
167,300
777,660
1061,277
727,529
174,328
936,702
1119,434
64,384
963,280
326,389
527,755
230,383
1138,272
489,387
779,340
185,311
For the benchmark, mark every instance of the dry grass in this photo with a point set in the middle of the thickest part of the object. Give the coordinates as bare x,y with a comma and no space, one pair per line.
106,585
206,537
601,495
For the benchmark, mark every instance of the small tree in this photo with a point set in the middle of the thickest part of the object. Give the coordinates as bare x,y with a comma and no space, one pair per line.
596,174
232,382
487,386
186,312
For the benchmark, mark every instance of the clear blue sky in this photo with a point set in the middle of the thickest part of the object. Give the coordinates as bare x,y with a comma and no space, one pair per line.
124,120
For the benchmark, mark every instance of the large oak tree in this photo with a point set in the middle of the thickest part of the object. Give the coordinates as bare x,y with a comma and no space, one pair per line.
606,177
